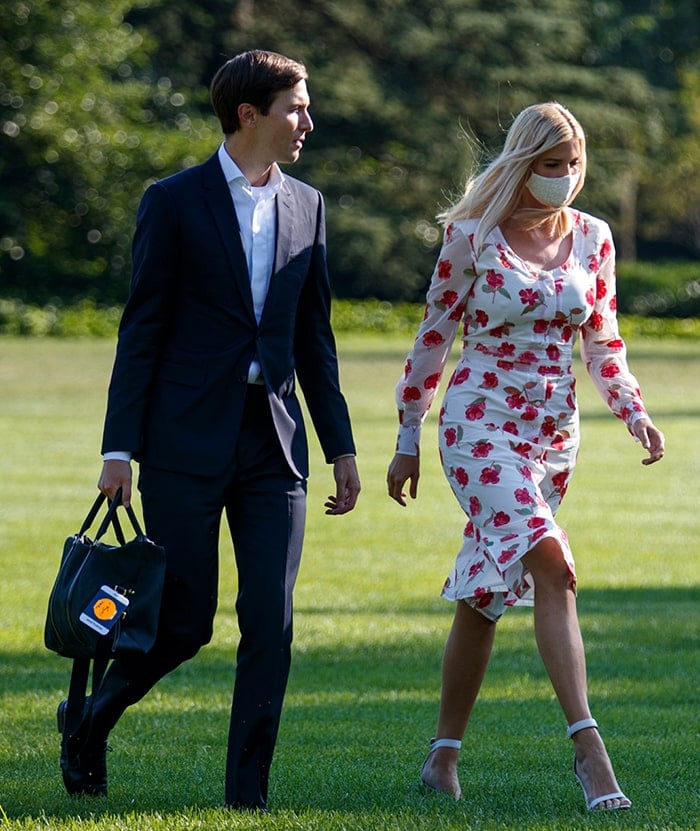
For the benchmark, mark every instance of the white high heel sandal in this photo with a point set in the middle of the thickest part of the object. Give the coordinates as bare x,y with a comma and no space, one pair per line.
455,744
592,804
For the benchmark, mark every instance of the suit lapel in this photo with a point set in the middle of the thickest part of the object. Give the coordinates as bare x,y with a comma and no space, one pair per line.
283,240
218,197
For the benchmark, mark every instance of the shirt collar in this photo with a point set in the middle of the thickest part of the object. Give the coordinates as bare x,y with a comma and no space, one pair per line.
234,175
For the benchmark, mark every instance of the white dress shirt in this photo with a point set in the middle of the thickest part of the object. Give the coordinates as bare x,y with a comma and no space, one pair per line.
257,219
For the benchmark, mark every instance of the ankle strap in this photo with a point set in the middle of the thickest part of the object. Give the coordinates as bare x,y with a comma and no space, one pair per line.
455,744
580,725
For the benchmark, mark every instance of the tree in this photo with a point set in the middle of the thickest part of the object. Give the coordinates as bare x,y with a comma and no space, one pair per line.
78,143
391,84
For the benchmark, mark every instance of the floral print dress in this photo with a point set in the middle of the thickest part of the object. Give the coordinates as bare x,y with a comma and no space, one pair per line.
508,427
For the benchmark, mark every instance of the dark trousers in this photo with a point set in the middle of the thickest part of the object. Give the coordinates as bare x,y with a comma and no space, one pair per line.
265,505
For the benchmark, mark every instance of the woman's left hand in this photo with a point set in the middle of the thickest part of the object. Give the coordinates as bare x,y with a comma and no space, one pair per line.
650,438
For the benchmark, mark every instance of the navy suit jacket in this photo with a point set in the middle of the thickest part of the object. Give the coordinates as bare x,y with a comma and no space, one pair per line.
188,333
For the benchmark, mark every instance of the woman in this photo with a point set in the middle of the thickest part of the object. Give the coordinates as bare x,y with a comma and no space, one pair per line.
523,274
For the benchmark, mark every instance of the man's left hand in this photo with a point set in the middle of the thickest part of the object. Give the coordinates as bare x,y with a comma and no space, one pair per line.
347,486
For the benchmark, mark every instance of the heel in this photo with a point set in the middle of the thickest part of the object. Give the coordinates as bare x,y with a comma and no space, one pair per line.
594,803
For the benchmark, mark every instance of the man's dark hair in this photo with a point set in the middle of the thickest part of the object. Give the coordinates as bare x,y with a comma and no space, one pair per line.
255,78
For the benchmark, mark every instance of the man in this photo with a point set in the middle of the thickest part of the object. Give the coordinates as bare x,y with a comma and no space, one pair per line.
229,302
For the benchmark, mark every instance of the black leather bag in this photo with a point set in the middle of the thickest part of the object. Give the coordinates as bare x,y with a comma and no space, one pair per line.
106,598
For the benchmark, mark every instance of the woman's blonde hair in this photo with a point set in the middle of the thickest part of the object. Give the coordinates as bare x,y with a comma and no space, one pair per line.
493,195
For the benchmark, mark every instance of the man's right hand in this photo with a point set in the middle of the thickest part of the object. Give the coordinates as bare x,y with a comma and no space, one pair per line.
116,474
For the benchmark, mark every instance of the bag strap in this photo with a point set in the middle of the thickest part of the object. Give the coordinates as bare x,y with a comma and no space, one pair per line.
76,713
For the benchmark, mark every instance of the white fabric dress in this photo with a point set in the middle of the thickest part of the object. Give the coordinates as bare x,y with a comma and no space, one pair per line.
508,428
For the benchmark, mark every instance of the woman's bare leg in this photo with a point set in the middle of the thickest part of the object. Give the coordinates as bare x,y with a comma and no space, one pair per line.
464,664
560,644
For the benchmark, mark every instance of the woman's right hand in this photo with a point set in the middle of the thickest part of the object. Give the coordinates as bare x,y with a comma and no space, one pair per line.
401,469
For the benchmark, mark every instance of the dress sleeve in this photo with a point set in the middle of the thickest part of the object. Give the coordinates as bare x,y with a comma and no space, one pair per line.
445,304
602,349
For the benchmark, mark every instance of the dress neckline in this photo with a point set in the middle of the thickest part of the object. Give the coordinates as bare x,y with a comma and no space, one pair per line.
532,269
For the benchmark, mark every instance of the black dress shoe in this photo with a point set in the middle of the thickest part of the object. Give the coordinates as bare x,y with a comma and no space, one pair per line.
83,759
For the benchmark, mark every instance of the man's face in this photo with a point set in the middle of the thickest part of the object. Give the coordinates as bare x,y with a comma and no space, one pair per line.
281,133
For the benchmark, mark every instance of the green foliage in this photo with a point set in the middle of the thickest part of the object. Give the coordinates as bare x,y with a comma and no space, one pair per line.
79,142
97,100
369,629
662,288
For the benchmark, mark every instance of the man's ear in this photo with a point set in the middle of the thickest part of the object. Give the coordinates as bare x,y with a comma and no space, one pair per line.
247,115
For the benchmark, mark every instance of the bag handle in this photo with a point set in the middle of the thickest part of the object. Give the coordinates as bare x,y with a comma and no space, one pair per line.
110,517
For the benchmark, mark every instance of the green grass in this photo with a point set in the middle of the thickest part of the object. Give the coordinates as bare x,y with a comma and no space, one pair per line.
369,628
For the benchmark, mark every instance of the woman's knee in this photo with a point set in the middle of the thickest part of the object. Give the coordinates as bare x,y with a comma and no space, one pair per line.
548,566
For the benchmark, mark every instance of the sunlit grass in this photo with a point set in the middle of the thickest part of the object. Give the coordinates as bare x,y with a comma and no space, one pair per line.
369,627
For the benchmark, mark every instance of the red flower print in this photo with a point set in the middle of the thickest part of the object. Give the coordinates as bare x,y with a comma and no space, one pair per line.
407,369
539,327
482,449
457,312
596,321
525,472
615,344
553,352
549,426
511,427
605,249
475,411
506,350
610,370
536,522
432,338
540,532
462,376
559,440
516,400
460,474
530,298
613,304
593,263
527,358
448,232
432,381
444,269
505,365
600,288
494,279
481,317
507,555
529,413
490,381
483,598
590,297
523,497
450,436
522,449
475,568
474,506
494,285
500,519
448,299
559,480
410,394
490,475
469,529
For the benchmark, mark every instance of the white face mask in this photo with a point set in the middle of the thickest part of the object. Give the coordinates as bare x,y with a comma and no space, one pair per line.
553,191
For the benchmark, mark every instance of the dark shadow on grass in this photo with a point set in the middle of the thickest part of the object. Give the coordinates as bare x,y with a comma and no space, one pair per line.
358,717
